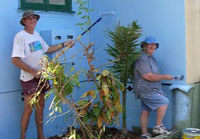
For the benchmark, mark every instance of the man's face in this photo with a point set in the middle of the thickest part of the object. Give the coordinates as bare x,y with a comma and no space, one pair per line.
30,21
150,49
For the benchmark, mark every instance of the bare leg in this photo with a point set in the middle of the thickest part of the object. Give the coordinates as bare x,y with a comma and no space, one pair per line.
26,116
39,117
160,114
144,118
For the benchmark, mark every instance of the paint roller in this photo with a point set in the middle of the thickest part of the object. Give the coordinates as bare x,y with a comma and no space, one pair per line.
107,13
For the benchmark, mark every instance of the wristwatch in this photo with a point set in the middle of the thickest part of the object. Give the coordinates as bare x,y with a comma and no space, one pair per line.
63,45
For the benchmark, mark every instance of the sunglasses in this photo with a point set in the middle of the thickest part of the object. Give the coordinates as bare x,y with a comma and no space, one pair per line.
31,17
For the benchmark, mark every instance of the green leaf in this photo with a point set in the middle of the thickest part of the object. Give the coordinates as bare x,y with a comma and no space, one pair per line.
79,13
105,72
96,111
86,118
82,103
108,115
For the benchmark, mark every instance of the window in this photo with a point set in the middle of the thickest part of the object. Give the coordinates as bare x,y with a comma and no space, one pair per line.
47,5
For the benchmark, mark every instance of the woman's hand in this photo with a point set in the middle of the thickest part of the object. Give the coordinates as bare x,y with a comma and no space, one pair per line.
168,77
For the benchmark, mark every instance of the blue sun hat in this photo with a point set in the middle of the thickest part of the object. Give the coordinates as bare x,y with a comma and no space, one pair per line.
150,40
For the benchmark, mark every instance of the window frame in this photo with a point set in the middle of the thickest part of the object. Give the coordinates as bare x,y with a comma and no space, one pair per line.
67,8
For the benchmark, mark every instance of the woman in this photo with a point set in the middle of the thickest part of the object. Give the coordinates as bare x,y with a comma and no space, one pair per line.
148,87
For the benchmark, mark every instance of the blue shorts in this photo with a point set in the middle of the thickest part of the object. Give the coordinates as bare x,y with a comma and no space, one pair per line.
154,102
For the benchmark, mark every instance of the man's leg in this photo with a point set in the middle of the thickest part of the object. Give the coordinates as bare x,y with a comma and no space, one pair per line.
39,117
160,114
144,118
26,116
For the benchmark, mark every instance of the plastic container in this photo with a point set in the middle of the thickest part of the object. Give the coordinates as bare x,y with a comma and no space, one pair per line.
191,133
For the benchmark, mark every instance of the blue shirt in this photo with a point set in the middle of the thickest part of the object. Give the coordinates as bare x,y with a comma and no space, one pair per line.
143,88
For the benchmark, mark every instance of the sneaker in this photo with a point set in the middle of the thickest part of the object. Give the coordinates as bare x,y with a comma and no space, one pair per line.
145,136
161,130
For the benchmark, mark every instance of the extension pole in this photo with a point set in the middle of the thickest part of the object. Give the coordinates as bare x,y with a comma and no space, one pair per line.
77,39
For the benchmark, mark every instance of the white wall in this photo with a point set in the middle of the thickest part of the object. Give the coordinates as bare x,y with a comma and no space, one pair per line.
192,12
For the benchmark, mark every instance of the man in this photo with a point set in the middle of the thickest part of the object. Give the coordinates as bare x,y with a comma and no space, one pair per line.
148,88
28,49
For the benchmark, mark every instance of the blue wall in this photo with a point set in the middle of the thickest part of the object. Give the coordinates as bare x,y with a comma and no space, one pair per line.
11,104
166,21
109,21
163,19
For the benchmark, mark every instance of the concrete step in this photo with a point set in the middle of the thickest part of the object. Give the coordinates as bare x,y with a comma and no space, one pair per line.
173,135
161,137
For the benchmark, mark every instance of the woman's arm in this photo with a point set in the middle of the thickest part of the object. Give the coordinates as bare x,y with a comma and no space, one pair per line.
156,77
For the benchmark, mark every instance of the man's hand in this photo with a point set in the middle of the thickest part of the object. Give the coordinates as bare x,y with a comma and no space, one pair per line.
69,42
20,64
36,74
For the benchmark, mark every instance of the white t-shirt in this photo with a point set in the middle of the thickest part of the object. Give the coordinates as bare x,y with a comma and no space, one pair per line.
30,48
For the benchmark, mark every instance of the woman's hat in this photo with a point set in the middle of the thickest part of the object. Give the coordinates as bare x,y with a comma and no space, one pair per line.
27,14
149,40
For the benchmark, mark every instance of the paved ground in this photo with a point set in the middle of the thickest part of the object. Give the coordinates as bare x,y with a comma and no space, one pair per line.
172,136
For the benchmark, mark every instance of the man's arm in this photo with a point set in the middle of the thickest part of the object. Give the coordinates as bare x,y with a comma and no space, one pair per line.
156,77
20,64
57,47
